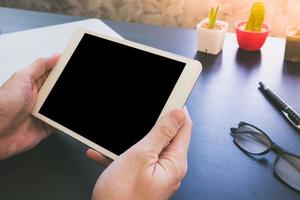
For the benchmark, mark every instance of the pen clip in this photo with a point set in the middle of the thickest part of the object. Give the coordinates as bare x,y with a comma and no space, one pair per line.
291,121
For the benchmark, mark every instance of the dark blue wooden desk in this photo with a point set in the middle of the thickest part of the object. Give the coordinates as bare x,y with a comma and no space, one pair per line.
225,94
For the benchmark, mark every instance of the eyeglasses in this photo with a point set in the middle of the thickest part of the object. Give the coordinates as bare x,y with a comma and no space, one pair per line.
254,141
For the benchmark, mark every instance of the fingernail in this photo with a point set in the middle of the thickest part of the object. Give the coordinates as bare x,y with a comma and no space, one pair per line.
178,115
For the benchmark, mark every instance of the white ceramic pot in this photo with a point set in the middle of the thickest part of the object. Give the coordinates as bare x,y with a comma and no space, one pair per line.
211,40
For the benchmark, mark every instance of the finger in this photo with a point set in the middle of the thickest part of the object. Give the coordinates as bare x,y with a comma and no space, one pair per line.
98,157
41,81
39,131
174,155
164,130
180,144
42,66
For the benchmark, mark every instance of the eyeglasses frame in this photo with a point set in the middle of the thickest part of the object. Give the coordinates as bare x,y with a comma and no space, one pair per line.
273,147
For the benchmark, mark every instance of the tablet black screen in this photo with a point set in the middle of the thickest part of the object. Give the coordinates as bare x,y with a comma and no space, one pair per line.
110,93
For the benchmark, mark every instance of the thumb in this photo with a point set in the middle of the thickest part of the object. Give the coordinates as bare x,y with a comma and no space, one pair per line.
164,130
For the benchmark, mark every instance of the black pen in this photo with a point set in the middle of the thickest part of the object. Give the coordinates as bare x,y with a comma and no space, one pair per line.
287,110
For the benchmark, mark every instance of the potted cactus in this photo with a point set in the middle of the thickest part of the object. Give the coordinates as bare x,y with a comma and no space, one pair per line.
211,33
252,34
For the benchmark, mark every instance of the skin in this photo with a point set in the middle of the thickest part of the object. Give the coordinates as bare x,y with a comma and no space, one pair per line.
151,169
19,130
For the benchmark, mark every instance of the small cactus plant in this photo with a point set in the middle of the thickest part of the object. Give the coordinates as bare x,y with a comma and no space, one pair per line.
256,17
212,17
211,33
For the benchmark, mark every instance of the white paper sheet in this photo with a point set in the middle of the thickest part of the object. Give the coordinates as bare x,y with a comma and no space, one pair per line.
19,49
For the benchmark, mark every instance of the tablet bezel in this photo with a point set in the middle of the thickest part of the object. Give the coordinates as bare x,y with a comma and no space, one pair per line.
176,99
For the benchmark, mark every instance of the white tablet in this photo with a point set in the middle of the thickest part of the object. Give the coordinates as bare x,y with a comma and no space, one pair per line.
108,92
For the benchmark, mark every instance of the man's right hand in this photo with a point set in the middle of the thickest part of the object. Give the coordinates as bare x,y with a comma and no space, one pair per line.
151,169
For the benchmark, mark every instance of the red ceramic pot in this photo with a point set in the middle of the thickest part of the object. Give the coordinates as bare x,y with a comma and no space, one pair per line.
250,40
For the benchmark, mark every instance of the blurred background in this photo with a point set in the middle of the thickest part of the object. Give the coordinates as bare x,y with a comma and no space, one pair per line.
179,13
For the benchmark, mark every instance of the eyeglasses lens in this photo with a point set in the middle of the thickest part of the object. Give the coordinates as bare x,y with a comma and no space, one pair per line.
251,139
287,168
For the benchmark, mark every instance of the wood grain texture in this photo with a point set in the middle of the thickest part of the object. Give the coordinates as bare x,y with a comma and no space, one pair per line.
225,94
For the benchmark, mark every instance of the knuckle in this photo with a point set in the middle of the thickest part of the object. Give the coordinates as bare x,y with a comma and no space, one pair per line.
21,75
144,153
166,132
183,170
18,74
180,168
176,186
39,61
177,166
167,129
